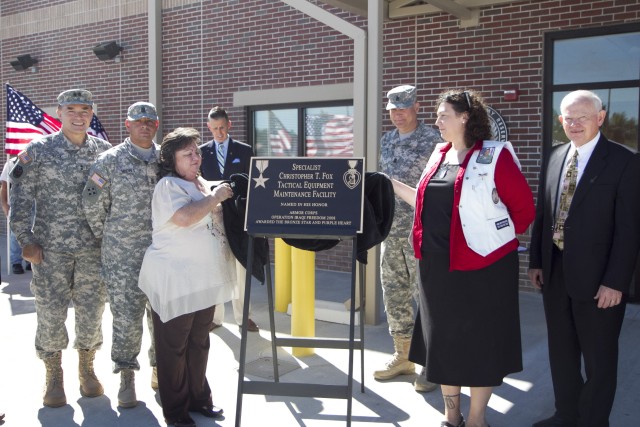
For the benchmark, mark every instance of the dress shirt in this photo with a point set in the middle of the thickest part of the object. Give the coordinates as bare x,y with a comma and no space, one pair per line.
584,154
225,143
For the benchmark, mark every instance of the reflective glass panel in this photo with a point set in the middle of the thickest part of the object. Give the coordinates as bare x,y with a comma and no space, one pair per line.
276,132
329,131
597,59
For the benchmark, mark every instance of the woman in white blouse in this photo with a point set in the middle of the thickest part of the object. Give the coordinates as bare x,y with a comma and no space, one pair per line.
186,271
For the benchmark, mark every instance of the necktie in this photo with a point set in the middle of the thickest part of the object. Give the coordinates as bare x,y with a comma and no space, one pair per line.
568,189
220,156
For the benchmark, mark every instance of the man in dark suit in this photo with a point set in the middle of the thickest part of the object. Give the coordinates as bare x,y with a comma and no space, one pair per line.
584,247
222,157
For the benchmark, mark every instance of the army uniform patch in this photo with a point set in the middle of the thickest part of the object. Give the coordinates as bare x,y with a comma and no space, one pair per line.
23,164
94,187
100,181
486,155
17,171
24,158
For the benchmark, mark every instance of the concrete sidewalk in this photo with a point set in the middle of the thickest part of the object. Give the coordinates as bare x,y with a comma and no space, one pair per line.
523,398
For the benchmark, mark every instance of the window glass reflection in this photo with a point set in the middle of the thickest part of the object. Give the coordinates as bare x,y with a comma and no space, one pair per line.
329,131
275,132
597,59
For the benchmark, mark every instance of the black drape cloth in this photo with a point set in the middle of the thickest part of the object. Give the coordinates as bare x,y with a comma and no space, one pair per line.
233,212
377,217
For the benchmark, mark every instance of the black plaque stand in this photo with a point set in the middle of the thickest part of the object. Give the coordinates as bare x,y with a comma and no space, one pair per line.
277,388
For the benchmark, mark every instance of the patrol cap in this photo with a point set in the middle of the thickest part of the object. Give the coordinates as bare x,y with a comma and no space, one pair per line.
75,96
142,110
401,97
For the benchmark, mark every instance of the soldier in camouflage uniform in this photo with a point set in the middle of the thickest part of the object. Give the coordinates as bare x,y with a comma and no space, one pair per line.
64,253
404,152
117,204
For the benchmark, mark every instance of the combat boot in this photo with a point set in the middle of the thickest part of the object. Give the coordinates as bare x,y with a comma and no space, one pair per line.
399,364
54,388
421,385
127,393
89,384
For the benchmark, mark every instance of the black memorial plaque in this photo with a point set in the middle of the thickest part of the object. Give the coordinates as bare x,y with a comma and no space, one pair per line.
305,197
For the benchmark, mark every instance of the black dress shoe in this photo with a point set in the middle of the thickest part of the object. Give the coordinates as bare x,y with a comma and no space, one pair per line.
554,421
17,269
209,411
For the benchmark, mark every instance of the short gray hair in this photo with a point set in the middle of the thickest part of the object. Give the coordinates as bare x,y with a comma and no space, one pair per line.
586,95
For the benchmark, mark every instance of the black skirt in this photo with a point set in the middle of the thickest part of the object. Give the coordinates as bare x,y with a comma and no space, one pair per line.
467,332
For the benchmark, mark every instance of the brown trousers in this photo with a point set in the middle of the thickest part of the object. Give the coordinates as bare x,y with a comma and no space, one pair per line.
182,352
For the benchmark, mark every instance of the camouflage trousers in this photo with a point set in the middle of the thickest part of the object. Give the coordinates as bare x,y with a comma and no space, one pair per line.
128,304
62,278
398,272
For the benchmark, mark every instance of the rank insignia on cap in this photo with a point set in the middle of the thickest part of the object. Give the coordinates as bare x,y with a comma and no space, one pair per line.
24,158
98,180
486,155
401,97
142,110
75,96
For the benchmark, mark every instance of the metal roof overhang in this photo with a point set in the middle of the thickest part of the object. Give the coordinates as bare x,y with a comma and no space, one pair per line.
462,9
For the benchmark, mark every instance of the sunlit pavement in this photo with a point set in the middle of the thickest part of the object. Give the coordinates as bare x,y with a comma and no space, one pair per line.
522,399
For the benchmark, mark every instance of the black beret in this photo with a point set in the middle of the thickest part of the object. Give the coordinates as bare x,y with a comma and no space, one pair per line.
377,215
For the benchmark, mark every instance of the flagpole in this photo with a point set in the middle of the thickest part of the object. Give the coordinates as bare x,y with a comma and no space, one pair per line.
8,245
8,261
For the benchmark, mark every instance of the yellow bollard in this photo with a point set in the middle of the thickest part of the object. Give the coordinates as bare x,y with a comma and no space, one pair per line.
303,298
283,275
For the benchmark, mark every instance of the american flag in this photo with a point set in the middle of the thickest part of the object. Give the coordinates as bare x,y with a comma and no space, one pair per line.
96,129
25,121
329,135
280,142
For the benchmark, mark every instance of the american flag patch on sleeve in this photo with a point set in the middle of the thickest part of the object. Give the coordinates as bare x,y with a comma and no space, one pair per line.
99,181
24,158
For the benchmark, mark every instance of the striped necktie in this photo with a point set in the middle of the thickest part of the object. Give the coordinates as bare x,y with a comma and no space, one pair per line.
568,189
220,155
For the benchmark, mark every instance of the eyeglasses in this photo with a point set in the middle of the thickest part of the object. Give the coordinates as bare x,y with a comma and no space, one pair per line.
580,120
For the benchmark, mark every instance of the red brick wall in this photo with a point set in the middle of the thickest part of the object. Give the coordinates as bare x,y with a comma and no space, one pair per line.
215,48
504,50
66,60
10,7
